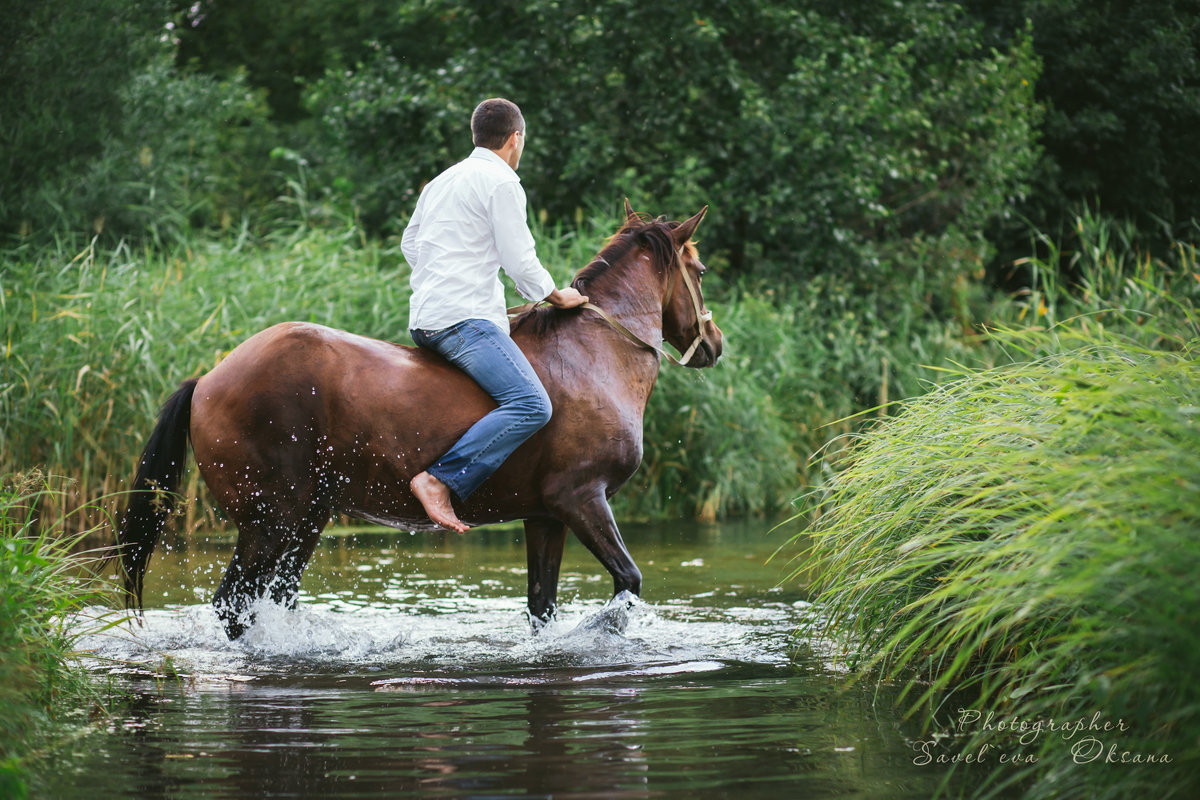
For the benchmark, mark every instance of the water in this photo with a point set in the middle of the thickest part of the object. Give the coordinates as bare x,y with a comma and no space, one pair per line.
409,669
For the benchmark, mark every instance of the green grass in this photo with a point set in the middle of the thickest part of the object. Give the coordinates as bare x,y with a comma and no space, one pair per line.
1022,540
44,582
94,340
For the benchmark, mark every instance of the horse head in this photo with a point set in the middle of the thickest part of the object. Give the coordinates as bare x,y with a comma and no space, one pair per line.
687,324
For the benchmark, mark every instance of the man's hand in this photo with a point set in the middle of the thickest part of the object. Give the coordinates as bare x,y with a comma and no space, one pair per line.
567,297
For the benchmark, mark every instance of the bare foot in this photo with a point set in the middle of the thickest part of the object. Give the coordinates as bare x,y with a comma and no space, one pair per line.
435,497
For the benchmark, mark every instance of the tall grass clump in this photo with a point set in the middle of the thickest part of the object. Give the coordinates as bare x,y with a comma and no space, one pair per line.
1102,279
44,582
1020,541
1027,536
94,339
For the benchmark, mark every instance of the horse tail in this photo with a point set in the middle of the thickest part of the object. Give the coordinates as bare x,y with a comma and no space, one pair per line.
154,490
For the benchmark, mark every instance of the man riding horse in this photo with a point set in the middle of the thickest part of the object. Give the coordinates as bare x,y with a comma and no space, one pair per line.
469,224
301,422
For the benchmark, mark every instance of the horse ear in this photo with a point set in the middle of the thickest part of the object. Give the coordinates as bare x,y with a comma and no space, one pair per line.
629,212
687,228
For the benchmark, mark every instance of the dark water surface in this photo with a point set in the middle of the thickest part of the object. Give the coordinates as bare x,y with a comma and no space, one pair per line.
409,669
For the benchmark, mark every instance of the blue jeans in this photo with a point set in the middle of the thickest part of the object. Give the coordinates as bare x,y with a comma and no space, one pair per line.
494,361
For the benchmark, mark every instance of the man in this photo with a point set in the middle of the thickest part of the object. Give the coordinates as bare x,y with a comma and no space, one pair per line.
469,224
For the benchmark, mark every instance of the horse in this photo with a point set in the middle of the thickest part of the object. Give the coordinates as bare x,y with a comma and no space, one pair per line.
301,422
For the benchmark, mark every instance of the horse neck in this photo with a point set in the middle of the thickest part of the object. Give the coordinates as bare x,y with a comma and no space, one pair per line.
631,292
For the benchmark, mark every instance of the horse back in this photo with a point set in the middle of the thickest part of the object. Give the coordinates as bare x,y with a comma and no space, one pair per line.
343,418
319,415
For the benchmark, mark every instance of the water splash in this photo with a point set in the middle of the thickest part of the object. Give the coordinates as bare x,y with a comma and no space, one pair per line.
456,636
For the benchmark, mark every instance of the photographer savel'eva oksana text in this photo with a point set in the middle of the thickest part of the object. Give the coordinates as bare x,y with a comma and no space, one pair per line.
1098,742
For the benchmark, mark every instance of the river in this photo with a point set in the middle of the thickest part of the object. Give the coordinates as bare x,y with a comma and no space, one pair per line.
409,669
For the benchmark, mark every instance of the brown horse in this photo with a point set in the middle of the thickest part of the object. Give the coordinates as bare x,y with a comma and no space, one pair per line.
301,421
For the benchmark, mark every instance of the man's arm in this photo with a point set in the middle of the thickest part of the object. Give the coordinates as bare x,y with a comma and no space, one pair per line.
517,254
514,242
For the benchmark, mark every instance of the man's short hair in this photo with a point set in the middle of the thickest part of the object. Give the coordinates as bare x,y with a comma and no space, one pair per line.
494,121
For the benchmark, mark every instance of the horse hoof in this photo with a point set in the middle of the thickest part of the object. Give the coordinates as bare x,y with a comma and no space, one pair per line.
625,598
538,623
235,624
614,617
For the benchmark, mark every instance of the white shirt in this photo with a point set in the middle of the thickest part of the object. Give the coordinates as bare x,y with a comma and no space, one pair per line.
469,224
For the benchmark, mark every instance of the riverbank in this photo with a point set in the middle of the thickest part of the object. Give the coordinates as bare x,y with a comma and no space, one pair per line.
45,692
1026,535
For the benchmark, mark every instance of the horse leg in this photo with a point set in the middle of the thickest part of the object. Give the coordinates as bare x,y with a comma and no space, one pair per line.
285,588
591,519
544,542
267,557
245,578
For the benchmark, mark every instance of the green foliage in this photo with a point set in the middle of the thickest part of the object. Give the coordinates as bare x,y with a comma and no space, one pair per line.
848,137
62,67
824,145
190,151
103,135
1121,85
42,584
1026,534
280,44
854,141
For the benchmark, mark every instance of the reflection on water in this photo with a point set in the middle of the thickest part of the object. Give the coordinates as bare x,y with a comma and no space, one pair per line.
409,669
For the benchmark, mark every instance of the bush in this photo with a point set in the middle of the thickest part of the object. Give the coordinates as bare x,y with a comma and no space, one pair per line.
62,67
124,144
189,151
1121,86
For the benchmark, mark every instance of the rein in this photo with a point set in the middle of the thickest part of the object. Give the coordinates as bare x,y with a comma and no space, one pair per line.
701,315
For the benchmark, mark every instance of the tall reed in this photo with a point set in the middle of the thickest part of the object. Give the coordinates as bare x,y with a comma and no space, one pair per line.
44,584
94,340
1024,538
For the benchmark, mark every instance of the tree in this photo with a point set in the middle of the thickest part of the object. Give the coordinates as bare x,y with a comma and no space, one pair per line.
62,67
820,143
1121,84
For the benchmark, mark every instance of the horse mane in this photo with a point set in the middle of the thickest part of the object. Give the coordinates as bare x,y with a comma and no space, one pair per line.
638,231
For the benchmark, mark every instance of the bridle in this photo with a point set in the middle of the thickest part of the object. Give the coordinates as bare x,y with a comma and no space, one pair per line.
702,315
